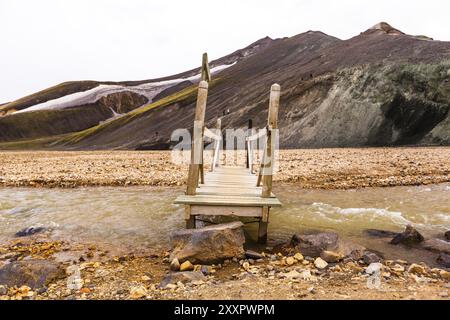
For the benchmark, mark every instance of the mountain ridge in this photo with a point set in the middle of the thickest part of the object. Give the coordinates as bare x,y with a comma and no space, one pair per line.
316,71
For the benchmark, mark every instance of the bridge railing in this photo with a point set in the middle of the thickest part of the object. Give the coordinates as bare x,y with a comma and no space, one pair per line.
268,135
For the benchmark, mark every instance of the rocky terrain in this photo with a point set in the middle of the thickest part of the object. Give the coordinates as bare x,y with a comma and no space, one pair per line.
37,268
379,88
320,168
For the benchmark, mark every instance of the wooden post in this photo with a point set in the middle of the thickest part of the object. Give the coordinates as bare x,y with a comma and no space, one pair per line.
216,148
263,225
206,73
249,133
190,219
267,167
197,141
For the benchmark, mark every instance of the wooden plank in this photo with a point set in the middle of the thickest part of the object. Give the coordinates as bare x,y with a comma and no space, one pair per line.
234,190
223,200
226,211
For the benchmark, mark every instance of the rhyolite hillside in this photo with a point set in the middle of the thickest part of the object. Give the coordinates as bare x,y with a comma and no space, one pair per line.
380,88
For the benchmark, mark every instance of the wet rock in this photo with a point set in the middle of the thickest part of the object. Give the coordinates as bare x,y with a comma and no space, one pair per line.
175,265
29,231
320,263
447,235
437,245
32,273
408,237
253,255
314,244
186,266
370,257
183,277
444,260
380,233
331,256
209,245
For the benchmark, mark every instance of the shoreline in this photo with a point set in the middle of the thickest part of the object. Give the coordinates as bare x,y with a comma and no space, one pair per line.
115,274
343,168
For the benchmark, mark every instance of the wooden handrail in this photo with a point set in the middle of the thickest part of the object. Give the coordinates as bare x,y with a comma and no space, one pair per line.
197,141
256,136
269,150
210,134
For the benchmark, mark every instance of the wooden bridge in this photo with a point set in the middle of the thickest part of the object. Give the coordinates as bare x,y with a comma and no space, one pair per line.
231,190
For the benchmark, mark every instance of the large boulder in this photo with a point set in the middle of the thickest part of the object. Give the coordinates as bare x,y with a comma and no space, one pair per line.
408,237
444,260
313,244
437,245
326,244
33,273
208,245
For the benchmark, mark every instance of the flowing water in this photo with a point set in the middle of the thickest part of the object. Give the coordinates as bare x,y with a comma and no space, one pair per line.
144,216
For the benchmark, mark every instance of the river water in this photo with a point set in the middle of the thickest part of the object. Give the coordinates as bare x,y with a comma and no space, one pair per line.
145,216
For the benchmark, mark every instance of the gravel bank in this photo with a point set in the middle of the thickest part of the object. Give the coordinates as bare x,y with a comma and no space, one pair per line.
315,168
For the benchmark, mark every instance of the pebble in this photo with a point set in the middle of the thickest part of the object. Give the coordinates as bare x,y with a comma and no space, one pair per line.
186,266
416,269
3,290
320,263
175,265
299,257
290,261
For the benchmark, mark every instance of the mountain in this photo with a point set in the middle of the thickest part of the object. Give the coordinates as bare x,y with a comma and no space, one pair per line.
382,87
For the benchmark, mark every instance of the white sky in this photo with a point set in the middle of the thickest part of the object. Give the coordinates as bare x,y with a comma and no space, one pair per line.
45,42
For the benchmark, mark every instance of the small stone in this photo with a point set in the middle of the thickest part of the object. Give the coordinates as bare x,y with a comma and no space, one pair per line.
374,267
416,269
171,286
138,292
145,278
320,263
398,268
298,256
331,256
370,257
175,265
85,290
290,261
253,255
292,274
444,274
186,266
3,290
246,265
205,270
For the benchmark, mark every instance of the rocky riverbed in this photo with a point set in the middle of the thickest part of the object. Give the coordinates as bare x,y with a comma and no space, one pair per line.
38,268
341,168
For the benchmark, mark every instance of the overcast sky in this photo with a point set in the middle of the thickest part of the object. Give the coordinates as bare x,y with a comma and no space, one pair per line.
45,42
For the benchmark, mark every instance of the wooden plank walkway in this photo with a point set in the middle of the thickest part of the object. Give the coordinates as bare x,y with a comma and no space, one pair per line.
230,190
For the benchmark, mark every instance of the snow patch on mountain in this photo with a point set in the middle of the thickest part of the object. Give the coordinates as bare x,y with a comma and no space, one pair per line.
149,90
